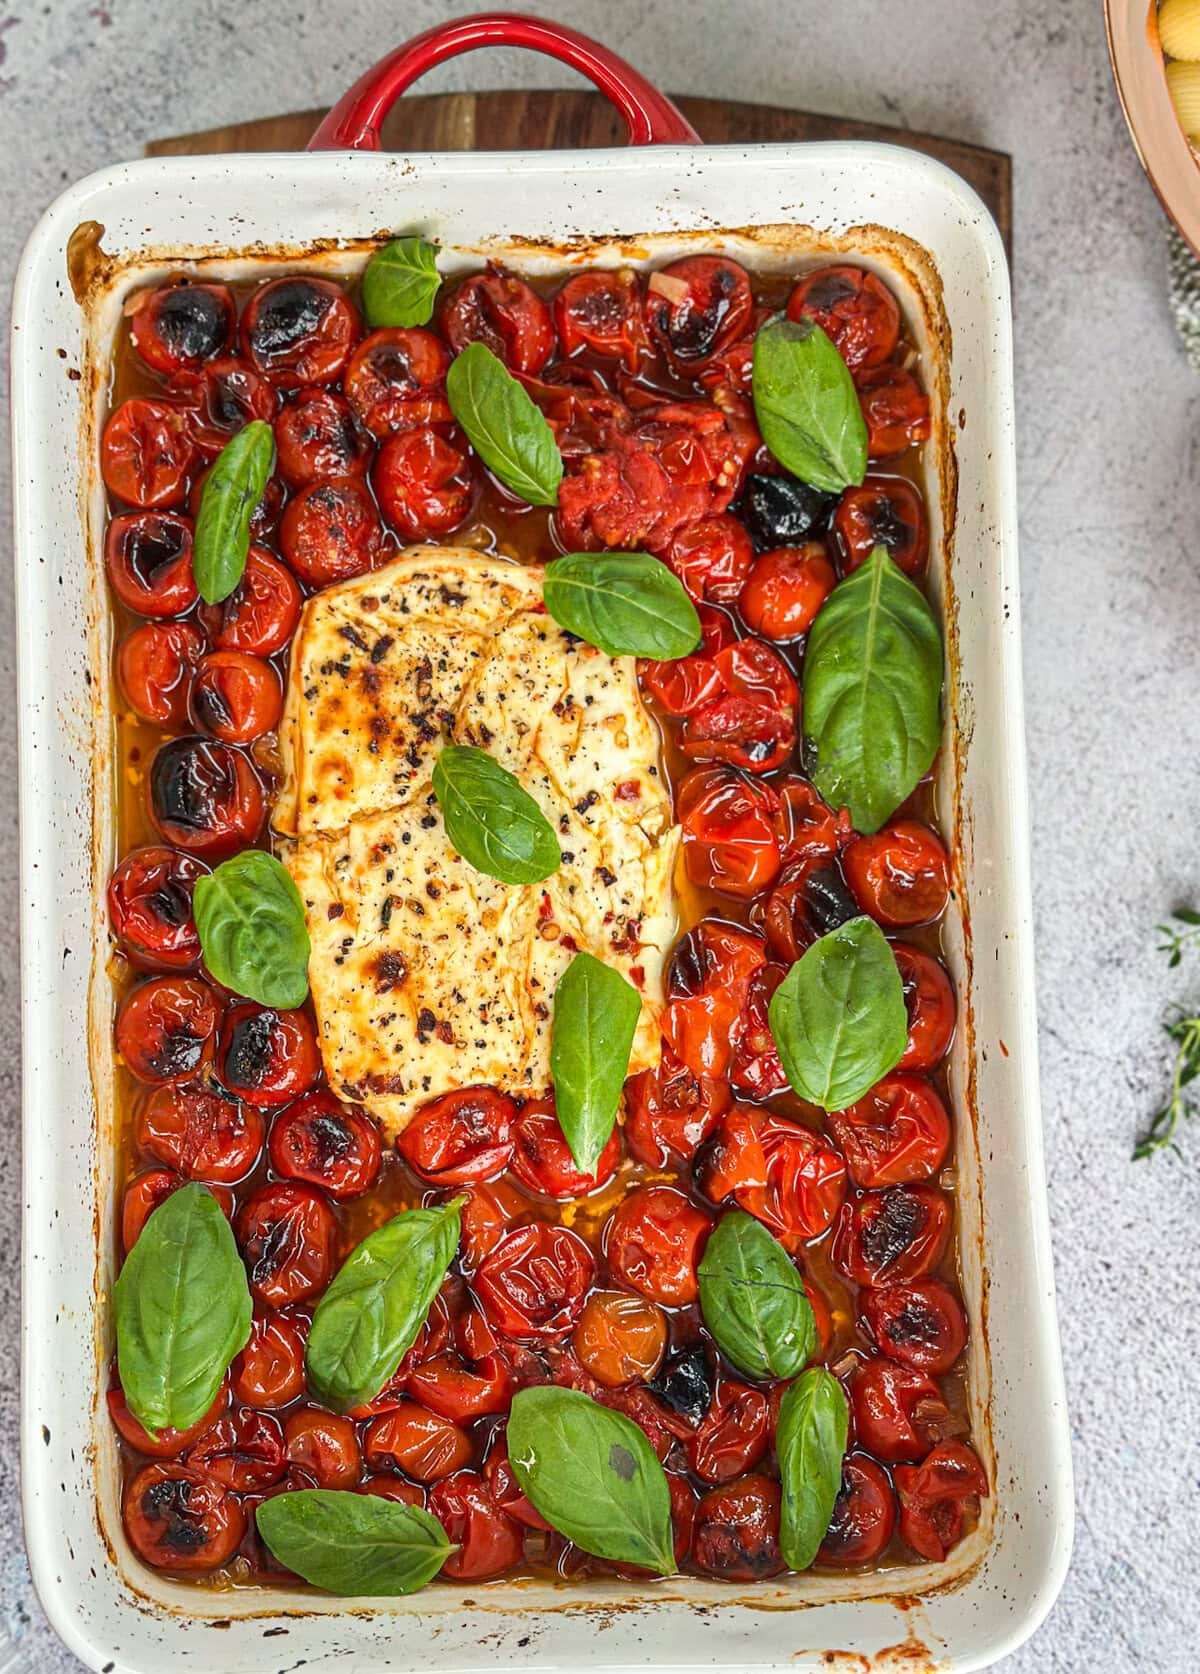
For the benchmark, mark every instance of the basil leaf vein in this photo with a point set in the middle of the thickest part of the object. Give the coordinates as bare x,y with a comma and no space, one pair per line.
753,1300
504,425
491,819
807,406
358,1545
400,283
810,1443
596,1014
232,490
250,919
628,604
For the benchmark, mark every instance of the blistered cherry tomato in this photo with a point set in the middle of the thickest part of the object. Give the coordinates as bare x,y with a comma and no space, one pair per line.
331,532
316,437
155,664
288,1238
542,1160
393,1488
502,311
244,1450
166,1028
180,1518
886,512
712,558
198,1133
324,1445
899,1412
935,1497
805,1181
269,1372
261,613
300,330
808,901
695,307
146,453
147,1191
686,683
732,1162
486,1216
489,1541
602,313
506,1490
148,556
932,1012
620,1338
864,1515
901,875
785,589
669,1111
854,308
327,1144
892,1236
736,1533
734,1434
416,1441
268,1056
423,483
167,1444
654,1240
708,983
179,325
753,725
533,1283
150,909
235,697
920,1323
757,1070
460,1138
897,1133
470,1380
221,399
205,797
895,408
396,381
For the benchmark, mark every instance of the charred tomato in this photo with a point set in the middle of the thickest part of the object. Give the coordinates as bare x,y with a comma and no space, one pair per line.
205,797
300,330
326,1143
148,556
331,532
268,1057
150,909
288,1238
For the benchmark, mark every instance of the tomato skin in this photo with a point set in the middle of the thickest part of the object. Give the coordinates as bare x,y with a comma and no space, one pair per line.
199,1134
708,984
269,1371
486,1216
179,325
150,909
854,308
268,1056
686,683
620,1339
532,1285
503,312
669,1111
261,613
736,1534
504,1488
891,1236
300,330
326,1143
424,483
602,312
393,1488
712,558
901,875
932,1008
471,1383
805,1182
887,512
180,1518
785,589
653,1241
148,556
146,454
919,1323
220,399
324,1445
155,664
243,1450
166,1028
864,1515
421,1443
204,797
897,1133
489,1541
895,408
288,1238
396,381
934,1497
235,697
167,1444
757,1071
753,725
696,307
316,437
460,1138
331,532
734,1435
899,1413
542,1160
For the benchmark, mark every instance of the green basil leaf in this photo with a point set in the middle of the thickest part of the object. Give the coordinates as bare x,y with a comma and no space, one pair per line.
504,425
250,919
753,1300
810,1442
358,1545
838,1018
369,1318
491,819
182,1309
232,490
593,1476
872,690
596,1015
400,283
807,406
626,603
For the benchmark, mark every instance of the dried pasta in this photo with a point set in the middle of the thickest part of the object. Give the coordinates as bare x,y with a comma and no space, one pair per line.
1179,29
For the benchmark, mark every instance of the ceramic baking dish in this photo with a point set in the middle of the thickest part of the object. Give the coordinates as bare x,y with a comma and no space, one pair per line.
771,207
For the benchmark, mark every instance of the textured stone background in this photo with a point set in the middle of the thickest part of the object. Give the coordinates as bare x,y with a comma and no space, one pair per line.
1110,484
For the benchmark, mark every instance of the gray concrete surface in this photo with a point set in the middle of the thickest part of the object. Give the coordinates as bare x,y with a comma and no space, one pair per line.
1110,487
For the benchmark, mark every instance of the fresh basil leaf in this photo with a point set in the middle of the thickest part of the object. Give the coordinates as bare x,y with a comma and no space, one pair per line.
838,1018
596,1015
369,1318
358,1545
753,1300
810,1443
593,1476
232,490
182,1309
400,283
250,920
504,425
628,604
491,819
807,406
872,690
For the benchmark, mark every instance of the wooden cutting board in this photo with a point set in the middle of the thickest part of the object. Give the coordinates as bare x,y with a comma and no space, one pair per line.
535,121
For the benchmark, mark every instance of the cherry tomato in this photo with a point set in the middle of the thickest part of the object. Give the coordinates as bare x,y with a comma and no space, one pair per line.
261,613
424,483
460,1138
288,1238
757,1070
316,437
504,1488
805,1181
221,399
542,1160
393,1488
299,330
785,589
734,1434
323,1445
205,797
686,683
331,532
416,1441
736,1533
180,1518
199,1134
708,984
809,900
733,1161
712,558
864,1515
895,408
669,1111
506,314
886,512
620,1338
150,909
899,1412
268,1057
602,313
486,1216
327,1144
396,381
920,1323
470,1383
901,875
896,1133
640,489
147,1191
653,1241
893,1236
180,325
696,307
155,664
533,1284
932,1011
167,1444
146,453
754,724
269,1372
935,1497
148,556
243,1450
166,1028
854,308
235,697
489,1541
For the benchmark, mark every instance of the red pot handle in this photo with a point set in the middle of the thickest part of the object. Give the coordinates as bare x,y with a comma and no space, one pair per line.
354,122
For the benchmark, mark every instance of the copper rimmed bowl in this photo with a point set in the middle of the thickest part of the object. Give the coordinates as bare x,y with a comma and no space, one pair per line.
1171,165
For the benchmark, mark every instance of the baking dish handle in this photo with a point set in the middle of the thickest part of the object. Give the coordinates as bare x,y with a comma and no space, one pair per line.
354,122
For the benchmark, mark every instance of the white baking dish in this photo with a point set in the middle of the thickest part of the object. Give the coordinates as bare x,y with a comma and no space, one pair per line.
240,214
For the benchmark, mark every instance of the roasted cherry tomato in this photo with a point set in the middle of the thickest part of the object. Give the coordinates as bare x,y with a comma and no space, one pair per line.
424,483
178,326
785,589
734,1434
753,725
708,984
886,512
695,307
864,1515
235,697
166,1028
893,1236
148,556
810,831
757,1070
920,1323
269,1372
155,664
150,909
460,1138
167,1444
669,1111
331,532
467,1380
542,1160
932,1011
393,1488
620,1338
288,1238
416,1441
686,683
805,1181
199,1134
901,875
895,408
736,1533
854,308
506,1490
327,1144
602,313
489,1541
782,511
300,330
712,558
808,901
488,1213
261,613
935,1497
316,437
205,797
899,1412
732,1162
146,1192
243,1450
533,1284
323,1445
396,381
221,399
653,1242
897,1133
146,453
180,1518
268,1057
506,314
